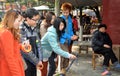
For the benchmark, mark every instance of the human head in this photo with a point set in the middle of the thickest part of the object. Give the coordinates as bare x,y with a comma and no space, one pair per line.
60,25
31,16
102,28
66,8
11,21
43,14
74,17
50,17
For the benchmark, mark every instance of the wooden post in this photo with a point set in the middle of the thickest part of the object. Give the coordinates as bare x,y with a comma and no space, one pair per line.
81,27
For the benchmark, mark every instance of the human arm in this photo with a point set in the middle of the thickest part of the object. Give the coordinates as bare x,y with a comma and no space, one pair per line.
106,46
108,41
96,39
56,48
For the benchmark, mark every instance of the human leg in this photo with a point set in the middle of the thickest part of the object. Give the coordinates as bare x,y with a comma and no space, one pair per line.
52,64
105,62
31,69
114,59
112,56
64,61
44,70
105,53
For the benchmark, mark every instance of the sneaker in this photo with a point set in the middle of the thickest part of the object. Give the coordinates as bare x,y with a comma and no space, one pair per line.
116,66
106,72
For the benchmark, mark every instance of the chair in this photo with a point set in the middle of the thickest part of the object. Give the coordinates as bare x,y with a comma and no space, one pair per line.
94,56
85,44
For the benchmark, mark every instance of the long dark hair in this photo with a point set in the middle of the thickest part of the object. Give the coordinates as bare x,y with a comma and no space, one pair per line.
56,25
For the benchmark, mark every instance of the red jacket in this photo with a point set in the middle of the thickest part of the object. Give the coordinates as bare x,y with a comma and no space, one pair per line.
10,58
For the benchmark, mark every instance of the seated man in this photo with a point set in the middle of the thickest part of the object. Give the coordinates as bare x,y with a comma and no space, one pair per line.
102,44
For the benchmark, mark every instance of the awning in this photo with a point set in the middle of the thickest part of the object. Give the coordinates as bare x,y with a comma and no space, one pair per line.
42,7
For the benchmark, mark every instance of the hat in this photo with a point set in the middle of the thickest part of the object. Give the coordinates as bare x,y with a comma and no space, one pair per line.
102,25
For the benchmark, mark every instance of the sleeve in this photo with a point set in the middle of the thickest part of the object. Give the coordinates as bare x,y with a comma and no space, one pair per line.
95,40
31,57
56,48
8,45
66,36
109,40
72,30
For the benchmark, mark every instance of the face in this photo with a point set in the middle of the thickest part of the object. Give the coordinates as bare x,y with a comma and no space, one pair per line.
17,22
61,26
32,22
66,13
102,29
53,18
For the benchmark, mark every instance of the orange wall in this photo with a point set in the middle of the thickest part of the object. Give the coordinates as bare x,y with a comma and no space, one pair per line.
111,17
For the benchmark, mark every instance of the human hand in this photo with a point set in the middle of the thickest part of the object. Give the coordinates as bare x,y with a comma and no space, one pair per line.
74,37
106,46
72,56
40,65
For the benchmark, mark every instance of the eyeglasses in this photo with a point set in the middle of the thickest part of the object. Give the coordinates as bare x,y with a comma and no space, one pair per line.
35,20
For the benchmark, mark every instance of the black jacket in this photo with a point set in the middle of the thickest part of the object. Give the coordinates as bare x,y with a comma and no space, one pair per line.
99,39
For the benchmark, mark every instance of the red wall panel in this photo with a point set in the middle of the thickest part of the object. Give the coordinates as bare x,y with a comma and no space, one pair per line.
111,17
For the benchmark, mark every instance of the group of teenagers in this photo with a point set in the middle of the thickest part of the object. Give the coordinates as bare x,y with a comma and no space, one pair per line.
23,49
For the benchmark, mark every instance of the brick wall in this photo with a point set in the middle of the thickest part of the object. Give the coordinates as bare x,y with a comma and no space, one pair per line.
111,17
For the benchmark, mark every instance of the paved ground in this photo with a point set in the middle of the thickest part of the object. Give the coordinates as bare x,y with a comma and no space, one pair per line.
83,66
